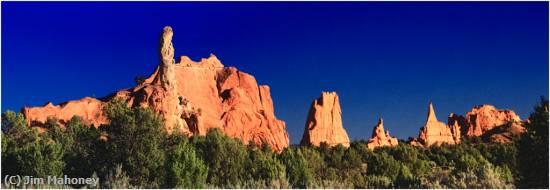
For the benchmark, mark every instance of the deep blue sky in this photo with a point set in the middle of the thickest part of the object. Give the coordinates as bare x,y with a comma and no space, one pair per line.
385,59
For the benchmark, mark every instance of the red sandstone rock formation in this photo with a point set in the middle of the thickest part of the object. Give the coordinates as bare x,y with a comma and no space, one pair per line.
486,117
87,108
487,122
435,132
380,138
191,97
324,122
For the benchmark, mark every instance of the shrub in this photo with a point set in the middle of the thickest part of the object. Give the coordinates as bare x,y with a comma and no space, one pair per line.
299,173
40,159
81,158
484,177
184,168
13,123
264,166
135,136
25,152
117,179
378,182
224,156
382,164
139,80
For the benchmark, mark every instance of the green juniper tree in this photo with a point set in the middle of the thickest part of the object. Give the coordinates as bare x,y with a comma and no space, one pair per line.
533,149
184,168
134,139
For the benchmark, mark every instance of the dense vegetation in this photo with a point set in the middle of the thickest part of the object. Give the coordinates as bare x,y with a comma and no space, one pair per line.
138,153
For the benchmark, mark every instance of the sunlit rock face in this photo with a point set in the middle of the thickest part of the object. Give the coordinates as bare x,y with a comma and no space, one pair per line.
492,124
89,109
484,118
191,97
485,121
380,137
324,122
435,132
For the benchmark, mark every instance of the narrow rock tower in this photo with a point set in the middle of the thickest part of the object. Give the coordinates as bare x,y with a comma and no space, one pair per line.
324,122
170,104
167,73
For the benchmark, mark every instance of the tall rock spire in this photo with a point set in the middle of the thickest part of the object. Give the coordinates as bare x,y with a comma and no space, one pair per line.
170,103
167,73
167,48
431,113
434,132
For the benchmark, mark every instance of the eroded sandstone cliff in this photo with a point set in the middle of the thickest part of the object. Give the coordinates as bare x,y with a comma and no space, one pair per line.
87,108
191,97
485,118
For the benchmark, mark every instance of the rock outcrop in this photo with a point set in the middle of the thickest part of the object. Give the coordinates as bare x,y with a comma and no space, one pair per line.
324,122
489,123
485,118
165,91
485,121
89,109
436,133
380,138
192,97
